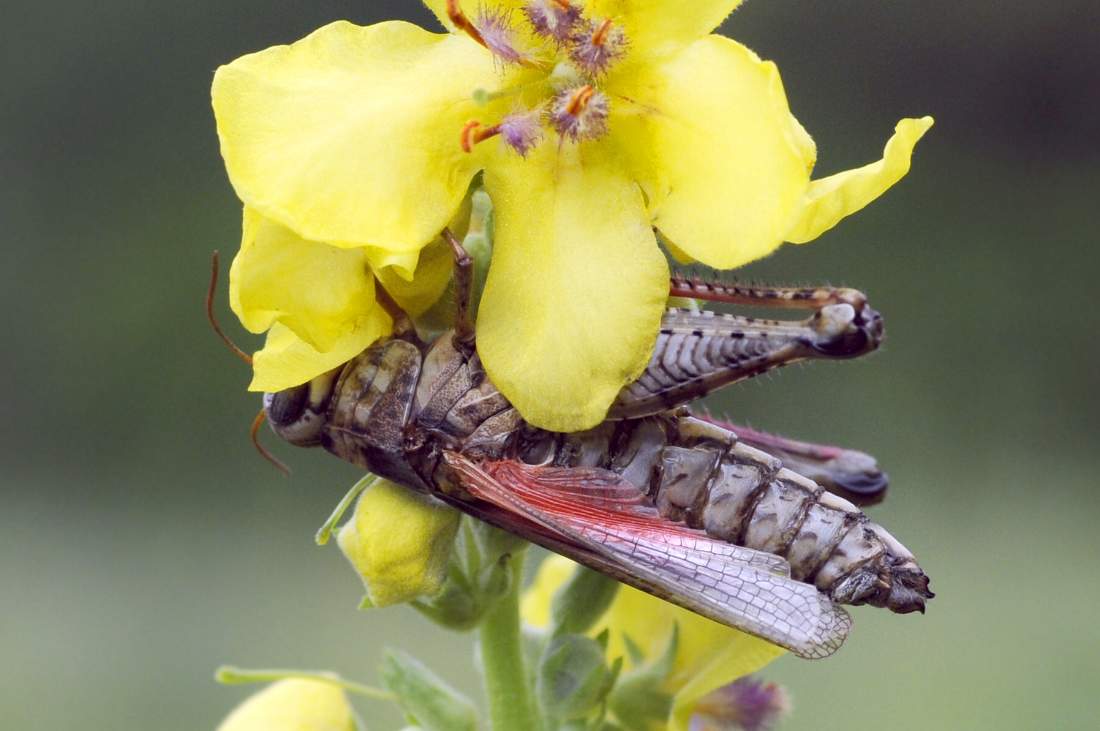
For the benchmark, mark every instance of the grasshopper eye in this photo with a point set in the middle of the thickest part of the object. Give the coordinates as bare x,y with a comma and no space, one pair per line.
297,414
286,407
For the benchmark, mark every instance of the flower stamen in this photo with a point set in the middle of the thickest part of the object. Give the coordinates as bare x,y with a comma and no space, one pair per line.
600,36
473,132
521,131
463,23
580,100
595,48
580,113
554,19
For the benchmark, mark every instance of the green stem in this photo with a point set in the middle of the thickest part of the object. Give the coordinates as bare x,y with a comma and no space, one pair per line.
511,707
229,675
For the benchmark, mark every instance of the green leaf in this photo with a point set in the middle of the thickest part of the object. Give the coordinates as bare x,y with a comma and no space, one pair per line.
426,697
581,601
639,699
572,677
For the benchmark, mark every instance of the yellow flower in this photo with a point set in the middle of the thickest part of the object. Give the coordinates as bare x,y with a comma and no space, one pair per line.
595,123
317,301
293,705
708,655
399,543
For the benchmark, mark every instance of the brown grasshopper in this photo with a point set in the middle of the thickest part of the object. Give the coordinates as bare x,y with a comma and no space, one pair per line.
751,530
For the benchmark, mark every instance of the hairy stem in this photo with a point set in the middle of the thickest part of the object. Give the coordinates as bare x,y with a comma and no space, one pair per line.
511,706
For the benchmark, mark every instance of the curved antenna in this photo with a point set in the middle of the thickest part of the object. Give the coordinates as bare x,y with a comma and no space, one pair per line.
254,433
210,312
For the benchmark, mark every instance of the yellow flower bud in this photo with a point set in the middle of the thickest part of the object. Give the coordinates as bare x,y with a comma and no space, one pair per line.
399,543
293,705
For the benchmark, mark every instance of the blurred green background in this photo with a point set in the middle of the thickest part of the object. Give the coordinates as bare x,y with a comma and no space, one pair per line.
142,542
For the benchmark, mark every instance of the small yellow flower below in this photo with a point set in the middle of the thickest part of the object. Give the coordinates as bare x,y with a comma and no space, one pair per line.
399,560
293,705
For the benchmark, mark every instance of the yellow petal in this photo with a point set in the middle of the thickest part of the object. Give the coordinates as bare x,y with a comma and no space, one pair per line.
740,654
576,287
293,705
399,543
660,26
318,291
830,199
723,161
286,360
350,136
433,272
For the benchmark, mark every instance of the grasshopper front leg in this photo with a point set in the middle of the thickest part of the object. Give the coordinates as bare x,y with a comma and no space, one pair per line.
463,292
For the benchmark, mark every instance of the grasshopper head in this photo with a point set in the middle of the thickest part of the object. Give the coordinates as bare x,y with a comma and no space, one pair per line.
297,414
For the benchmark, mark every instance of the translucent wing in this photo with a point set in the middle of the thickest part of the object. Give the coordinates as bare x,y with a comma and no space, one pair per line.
601,520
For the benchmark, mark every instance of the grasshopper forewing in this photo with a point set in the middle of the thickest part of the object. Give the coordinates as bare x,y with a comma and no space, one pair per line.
596,517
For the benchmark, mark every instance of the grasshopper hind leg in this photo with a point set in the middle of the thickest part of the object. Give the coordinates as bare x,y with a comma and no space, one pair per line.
698,352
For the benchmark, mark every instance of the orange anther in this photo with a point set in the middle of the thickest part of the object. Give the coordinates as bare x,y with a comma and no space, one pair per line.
473,132
579,100
601,33
563,4
454,12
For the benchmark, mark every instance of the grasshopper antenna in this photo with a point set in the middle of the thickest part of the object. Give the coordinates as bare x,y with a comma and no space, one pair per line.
254,432
214,265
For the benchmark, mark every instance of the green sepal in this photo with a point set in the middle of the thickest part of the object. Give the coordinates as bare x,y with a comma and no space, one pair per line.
573,678
457,606
581,601
639,699
477,576
425,697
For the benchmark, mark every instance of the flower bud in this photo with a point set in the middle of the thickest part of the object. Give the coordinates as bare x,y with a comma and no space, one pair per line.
572,677
424,696
399,543
293,705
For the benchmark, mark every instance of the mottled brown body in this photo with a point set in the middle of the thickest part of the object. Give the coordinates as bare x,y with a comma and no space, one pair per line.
399,406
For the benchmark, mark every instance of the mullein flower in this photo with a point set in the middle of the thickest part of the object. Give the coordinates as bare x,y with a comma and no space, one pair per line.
293,705
707,657
594,123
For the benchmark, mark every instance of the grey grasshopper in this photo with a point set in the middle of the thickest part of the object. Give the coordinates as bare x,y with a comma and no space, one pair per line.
754,531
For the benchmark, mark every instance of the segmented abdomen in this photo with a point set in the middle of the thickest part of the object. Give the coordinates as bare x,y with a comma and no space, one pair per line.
699,474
